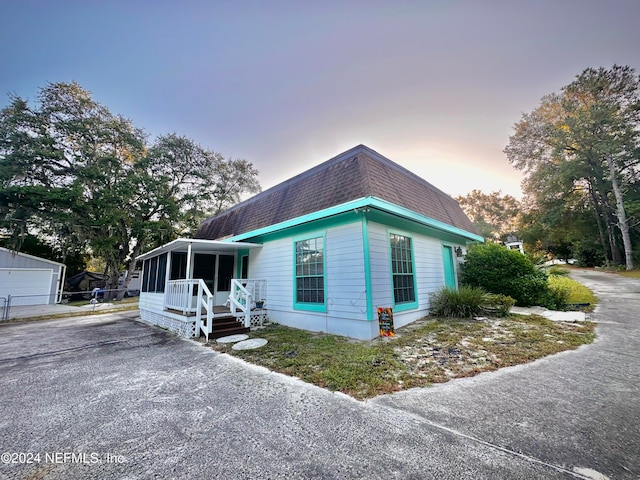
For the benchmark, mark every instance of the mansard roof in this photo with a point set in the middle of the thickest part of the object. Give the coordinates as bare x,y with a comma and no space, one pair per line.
355,174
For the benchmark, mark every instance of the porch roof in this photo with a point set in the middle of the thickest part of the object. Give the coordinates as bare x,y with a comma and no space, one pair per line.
198,245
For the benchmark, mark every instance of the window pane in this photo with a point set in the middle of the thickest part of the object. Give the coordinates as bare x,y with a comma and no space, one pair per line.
225,272
309,270
145,279
153,272
402,269
162,272
178,265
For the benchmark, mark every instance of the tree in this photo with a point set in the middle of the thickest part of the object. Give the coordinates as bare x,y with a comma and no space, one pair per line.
199,182
584,143
83,179
494,215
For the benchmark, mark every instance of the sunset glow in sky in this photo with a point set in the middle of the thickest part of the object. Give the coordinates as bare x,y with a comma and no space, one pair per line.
435,86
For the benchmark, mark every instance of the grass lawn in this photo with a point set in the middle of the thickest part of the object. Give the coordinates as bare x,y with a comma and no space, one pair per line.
630,273
425,352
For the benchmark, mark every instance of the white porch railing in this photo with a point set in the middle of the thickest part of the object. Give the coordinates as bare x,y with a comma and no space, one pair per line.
179,296
247,295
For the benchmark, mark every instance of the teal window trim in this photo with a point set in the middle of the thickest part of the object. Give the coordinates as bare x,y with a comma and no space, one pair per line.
310,306
412,304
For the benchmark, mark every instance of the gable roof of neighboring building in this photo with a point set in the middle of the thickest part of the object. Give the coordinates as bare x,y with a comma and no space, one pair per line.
357,173
14,259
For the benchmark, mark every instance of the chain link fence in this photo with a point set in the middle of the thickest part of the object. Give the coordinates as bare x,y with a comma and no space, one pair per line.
25,306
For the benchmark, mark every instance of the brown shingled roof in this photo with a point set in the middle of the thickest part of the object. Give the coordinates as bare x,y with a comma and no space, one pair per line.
354,174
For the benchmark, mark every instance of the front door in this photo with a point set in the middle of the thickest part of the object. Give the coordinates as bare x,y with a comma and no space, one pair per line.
217,272
449,267
226,265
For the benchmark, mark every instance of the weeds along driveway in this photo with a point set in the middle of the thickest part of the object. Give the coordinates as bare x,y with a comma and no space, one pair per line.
574,409
109,397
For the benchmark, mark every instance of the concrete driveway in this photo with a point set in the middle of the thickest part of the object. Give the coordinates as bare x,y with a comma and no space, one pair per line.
109,397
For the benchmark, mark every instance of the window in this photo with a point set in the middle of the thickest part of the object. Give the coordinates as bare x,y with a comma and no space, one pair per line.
155,270
225,272
402,269
178,265
309,272
244,269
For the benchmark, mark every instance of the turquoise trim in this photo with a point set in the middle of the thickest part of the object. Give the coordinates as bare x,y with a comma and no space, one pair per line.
294,222
311,228
401,307
312,307
367,268
372,202
411,215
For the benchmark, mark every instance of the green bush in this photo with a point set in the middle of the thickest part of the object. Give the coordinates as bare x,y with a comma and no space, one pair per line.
497,305
557,297
499,270
588,256
466,302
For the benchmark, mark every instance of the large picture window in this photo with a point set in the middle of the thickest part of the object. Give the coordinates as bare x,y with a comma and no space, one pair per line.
309,271
402,269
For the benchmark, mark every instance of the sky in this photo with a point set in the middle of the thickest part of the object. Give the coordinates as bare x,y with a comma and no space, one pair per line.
435,86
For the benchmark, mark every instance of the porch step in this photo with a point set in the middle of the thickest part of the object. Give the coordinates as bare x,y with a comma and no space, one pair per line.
227,325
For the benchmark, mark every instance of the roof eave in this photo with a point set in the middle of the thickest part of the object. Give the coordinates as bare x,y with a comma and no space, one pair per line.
200,245
371,202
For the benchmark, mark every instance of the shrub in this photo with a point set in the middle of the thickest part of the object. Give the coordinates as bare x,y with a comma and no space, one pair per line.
557,297
466,302
499,270
588,256
498,305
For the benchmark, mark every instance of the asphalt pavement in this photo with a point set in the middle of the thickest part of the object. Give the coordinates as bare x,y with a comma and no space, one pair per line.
110,397
577,410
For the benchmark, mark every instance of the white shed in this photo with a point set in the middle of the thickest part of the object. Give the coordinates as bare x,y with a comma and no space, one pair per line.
29,280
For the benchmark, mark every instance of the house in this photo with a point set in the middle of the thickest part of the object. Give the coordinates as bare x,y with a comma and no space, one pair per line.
29,280
320,251
513,243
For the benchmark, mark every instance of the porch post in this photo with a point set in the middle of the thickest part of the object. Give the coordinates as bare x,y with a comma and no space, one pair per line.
189,290
167,277
188,273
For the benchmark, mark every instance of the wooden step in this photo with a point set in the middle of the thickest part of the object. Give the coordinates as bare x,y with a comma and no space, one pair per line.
227,325
228,331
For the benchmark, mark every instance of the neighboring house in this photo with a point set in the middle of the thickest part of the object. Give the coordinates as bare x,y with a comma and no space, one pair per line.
513,243
323,250
29,280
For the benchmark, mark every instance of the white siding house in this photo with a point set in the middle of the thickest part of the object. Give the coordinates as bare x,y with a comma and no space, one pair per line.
323,250
29,280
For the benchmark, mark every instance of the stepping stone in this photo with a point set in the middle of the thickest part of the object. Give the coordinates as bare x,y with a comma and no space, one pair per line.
250,344
232,338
